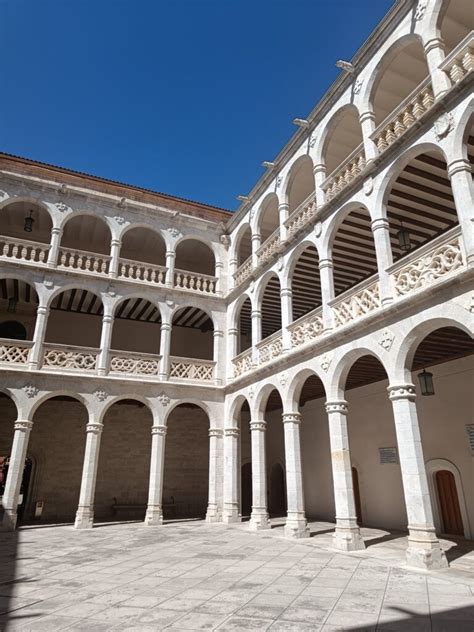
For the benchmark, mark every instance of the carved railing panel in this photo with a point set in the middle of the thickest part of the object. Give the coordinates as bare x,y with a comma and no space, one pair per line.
191,369
307,328
129,363
83,261
356,302
270,348
137,271
195,282
23,250
243,271
429,264
460,61
65,357
14,351
404,116
242,363
301,216
345,173
269,247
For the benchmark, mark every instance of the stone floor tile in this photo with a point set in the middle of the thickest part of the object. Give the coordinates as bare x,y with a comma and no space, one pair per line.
116,613
305,615
294,626
349,619
242,624
182,604
50,623
259,611
197,621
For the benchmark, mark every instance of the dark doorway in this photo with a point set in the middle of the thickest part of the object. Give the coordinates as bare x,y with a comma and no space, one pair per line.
13,330
355,485
449,503
246,489
277,503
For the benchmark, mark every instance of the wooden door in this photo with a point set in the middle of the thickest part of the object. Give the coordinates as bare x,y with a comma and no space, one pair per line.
355,485
449,503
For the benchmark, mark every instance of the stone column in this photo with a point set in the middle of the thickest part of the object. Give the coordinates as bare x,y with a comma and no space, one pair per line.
165,346
115,246
326,275
256,333
286,295
459,172
218,339
256,243
56,234
259,518
319,171
367,123
15,474
213,514
434,51
85,510
36,353
347,535
231,475
170,259
154,510
296,525
283,210
105,340
424,549
383,249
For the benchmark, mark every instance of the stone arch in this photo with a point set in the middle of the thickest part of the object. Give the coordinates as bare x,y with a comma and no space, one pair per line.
195,254
86,230
75,316
301,274
13,212
267,217
61,393
242,244
267,300
241,320
187,400
299,183
18,302
452,21
197,326
137,323
433,466
124,396
463,131
340,137
296,386
338,377
235,407
261,399
142,242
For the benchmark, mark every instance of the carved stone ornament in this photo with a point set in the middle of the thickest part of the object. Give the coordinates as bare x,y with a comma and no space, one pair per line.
101,395
471,306
386,340
251,287
48,283
119,219
251,393
62,207
3,194
169,301
312,141
326,362
31,390
278,181
280,263
368,186
174,232
402,391
231,432
258,425
420,10
443,125
339,406
291,418
215,432
357,86
318,229
225,240
163,399
283,378
62,189
122,203
252,213
158,430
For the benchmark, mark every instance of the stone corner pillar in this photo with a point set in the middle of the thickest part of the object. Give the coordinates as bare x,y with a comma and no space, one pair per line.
347,535
213,513
85,510
296,525
230,512
154,510
259,517
424,549
15,474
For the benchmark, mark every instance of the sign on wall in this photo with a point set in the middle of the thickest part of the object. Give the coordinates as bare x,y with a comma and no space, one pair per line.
470,435
388,455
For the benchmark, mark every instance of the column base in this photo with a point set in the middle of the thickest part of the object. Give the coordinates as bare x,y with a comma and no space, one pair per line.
84,518
296,526
153,516
348,539
259,519
230,514
424,549
9,519
212,514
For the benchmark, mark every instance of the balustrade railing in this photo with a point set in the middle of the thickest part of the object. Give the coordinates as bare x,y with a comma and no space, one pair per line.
345,173
14,351
23,249
130,363
243,271
67,357
83,260
243,362
270,348
460,61
269,247
404,116
138,271
307,328
191,369
303,214
429,263
356,302
194,281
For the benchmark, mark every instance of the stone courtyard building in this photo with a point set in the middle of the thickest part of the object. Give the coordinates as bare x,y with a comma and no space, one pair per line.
309,355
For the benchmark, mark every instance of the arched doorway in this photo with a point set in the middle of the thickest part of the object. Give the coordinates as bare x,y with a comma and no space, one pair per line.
450,510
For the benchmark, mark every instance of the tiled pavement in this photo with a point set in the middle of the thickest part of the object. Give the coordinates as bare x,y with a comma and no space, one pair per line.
194,576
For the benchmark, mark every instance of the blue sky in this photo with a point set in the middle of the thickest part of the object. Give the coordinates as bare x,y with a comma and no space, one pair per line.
184,97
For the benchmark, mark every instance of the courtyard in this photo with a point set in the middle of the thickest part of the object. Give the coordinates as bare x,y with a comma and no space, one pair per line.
190,575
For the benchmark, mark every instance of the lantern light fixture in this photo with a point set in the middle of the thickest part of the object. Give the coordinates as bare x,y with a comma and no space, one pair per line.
426,382
12,301
29,221
403,236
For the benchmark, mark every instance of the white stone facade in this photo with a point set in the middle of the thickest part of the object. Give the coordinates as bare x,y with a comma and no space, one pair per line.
371,300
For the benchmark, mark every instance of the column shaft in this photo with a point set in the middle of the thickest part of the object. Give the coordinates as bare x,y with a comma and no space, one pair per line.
15,474
319,171
56,234
36,353
259,518
283,210
459,172
115,246
256,333
170,259
296,525
434,51
367,123
326,275
213,513
286,296
85,510
256,243
154,511
165,346
231,478
105,341
383,249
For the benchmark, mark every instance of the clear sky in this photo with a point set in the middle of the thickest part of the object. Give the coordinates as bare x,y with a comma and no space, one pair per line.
186,97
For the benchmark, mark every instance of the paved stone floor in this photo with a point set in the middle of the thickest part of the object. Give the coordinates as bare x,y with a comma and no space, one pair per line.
194,576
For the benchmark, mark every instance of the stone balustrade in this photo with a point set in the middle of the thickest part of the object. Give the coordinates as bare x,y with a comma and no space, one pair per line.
269,247
14,351
191,369
243,271
23,250
67,357
271,347
345,173
302,215
460,61
131,363
404,116
358,301
429,263
194,281
307,328
136,271
83,261
242,363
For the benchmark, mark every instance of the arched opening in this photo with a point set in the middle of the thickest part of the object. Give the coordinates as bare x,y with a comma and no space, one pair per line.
245,326
195,256
15,223
300,183
402,69
143,245
75,319
124,462
447,354
85,244
243,247
448,499
456,21
420,203
192,335
18,305
275,456
271,307
269,217
306,283
344,137
13,330
242,420
353,251
186,470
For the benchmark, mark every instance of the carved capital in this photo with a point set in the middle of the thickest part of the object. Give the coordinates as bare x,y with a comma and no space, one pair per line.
231,432
23,425
380,223
402,391
337,406
259,424
325,263
215,432
94,428
158,430
291,418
